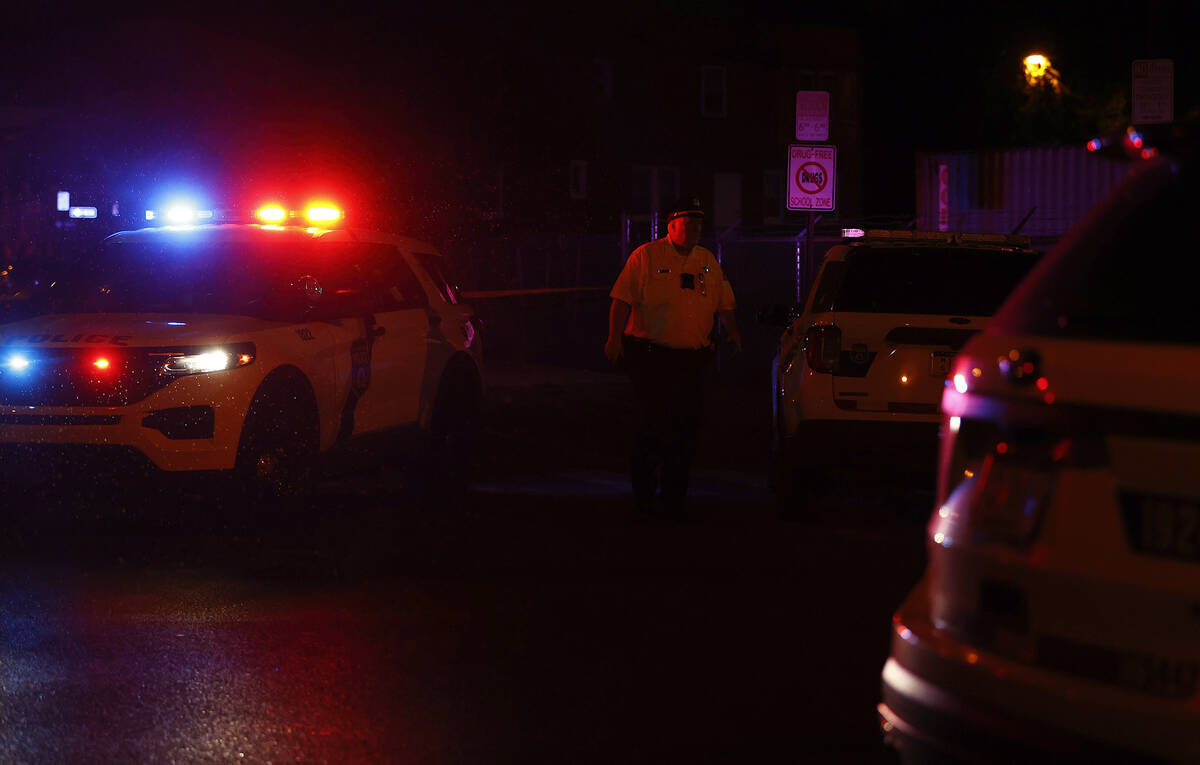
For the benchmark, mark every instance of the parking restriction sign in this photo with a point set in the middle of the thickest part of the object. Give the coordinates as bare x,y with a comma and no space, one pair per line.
812,178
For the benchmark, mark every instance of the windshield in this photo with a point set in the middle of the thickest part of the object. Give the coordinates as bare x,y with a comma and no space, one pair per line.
956,281
189,275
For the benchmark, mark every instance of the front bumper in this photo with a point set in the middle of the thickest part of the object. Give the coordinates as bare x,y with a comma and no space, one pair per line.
944,699
117,430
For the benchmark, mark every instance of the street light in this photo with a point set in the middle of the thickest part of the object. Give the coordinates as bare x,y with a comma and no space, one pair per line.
1039,71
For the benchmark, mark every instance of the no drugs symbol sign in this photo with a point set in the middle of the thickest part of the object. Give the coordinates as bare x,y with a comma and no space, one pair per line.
812,176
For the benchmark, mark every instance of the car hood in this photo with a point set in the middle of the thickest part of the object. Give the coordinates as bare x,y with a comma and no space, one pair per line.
133,330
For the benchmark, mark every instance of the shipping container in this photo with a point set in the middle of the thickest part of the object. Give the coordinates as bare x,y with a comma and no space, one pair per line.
994,191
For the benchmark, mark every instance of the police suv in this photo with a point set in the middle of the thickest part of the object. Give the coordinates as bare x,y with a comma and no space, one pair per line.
241,347
860,371
1058,619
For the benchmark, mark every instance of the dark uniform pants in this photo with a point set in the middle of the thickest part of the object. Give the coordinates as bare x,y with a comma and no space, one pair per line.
668,384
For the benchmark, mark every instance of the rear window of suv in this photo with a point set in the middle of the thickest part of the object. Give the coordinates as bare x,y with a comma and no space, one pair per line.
952,281
1121,274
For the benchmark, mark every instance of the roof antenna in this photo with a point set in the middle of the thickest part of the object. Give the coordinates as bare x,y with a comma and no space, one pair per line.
1021,225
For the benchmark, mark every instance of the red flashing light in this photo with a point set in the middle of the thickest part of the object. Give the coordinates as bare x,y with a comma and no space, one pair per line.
101,363
1002,448
322,213
1094,144
1149,153
271,213
1043,383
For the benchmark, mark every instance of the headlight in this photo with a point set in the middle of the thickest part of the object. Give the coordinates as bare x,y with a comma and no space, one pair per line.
209,360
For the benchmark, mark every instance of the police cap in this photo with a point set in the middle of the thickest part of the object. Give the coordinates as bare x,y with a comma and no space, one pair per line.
686,207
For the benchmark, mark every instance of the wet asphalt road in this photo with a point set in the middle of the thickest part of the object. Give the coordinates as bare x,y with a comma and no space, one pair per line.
537,621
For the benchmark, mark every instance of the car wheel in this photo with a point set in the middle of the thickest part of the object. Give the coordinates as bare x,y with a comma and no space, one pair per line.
276,455
451,441
794,484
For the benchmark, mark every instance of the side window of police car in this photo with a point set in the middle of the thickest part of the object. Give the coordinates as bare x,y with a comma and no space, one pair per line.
433,266
364,279
391,276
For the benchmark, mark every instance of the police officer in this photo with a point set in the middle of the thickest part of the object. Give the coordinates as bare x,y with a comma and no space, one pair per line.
660,330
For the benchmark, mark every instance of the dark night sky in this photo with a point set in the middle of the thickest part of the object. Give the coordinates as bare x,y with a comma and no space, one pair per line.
256,87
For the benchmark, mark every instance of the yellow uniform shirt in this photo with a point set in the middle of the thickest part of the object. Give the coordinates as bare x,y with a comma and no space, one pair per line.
665,311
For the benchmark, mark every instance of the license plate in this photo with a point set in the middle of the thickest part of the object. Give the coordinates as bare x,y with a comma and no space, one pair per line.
1160,525
939,363
1008,502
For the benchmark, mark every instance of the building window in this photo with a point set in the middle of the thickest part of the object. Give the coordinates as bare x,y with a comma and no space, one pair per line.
578,184
713,96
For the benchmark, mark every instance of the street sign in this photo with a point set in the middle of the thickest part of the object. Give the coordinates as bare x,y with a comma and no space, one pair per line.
812,178
812,115
1153,91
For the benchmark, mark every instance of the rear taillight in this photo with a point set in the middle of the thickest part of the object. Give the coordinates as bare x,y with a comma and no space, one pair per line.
967,444
822,347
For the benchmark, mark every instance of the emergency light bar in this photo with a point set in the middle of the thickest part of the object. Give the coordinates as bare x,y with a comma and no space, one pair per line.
946,237
82,212
321,214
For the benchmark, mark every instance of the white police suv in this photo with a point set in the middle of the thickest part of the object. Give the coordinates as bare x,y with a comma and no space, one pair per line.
1058,619
859,373
243,347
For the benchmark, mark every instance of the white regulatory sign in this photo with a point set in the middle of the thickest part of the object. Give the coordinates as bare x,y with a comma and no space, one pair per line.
1153,91
812,115
812,178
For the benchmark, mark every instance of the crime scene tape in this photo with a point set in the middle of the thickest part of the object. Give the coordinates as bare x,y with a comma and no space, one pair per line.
475,294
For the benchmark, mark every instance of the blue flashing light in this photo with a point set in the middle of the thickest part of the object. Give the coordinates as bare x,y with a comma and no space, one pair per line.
1095,144
853,233
17,362
181,214
64,201
82,212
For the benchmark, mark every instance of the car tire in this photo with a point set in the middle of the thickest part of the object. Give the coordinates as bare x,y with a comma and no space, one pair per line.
794,484
447,466
277,451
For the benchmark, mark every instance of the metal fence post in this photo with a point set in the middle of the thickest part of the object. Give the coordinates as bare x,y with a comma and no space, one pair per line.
626,223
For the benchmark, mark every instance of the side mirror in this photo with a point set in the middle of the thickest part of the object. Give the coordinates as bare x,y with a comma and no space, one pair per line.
309,290
778,315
